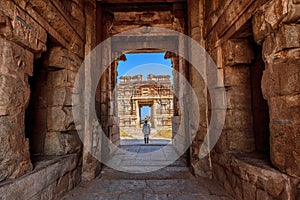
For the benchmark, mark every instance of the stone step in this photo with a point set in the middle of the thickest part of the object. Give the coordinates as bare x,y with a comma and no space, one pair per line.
165,173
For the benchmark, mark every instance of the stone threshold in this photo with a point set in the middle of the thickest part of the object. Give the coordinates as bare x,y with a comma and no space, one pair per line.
42,182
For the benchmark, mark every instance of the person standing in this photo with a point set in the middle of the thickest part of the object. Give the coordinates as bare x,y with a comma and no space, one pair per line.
146,130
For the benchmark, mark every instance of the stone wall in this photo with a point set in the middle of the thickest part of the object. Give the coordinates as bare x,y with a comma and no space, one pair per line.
276,28
50,179
41,50
21,39
256,132
61,137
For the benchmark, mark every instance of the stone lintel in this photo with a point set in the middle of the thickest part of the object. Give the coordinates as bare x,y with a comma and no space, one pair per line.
62,28
19,27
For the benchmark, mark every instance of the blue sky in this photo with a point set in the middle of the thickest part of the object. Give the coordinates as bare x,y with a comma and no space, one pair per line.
145,63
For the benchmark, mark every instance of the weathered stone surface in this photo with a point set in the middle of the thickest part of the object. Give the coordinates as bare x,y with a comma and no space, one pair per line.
238,119
40,183
276,45
14,147
237,75
239,99
16,64
259,179
280,86
240,141
174,182
57,143
58,57
61,78
16,95
281,79
15,59
61,24
238,51
262,195
60,96
271,16
19,27
60,119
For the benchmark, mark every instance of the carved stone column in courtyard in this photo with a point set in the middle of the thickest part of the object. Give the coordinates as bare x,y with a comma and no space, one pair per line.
276,27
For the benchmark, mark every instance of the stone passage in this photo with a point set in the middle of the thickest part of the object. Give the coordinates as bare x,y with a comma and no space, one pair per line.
172,182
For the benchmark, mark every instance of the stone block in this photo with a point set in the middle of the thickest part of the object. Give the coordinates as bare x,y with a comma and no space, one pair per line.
60,23
60,96
284,147
58,57
272,15
281,79
262,195
288,37
237,75
238,51
285,110
21,28
240,140
15,59
238,119
77,12
260,27
221,145
14,147
239,97
258,172
39,183
60,119
57,143
276,46
15,66
62,185
61,78
15,95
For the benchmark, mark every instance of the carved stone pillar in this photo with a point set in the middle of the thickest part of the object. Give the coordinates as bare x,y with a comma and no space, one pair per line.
275,27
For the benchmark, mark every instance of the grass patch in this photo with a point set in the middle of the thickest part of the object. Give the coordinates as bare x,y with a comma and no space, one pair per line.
165,133
123,134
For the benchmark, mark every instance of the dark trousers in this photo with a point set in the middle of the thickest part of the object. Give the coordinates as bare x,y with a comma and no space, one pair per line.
146,138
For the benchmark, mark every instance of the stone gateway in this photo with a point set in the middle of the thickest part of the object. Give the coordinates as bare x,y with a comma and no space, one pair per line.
255,45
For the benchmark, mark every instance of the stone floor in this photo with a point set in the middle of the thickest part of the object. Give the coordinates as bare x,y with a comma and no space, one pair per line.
152,141
167,183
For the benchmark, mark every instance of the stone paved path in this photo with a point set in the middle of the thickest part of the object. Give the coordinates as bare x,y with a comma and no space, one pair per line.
174,182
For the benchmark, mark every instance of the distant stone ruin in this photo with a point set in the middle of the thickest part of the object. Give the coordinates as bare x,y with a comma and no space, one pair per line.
134,93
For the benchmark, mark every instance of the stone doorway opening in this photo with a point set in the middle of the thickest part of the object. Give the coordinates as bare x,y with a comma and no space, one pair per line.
113,19
145,92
